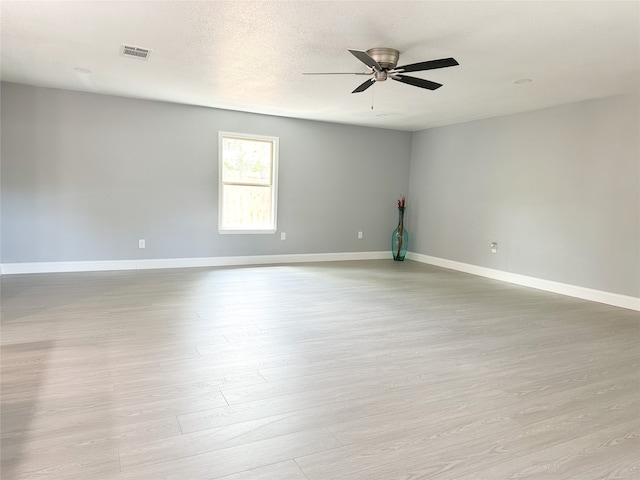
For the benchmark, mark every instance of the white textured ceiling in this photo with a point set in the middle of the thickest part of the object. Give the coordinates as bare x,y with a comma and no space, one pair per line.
250,55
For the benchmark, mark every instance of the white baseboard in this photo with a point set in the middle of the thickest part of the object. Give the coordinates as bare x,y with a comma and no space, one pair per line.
95,266
615,299
584,293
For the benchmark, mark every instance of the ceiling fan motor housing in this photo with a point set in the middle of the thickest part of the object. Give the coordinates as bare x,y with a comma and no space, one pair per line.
387,58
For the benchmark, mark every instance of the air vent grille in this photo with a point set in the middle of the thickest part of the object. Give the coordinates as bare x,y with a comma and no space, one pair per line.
135,52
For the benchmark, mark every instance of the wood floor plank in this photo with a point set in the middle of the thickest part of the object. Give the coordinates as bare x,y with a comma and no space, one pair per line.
288,470
415,455
357,370
230,460
595,455
63,464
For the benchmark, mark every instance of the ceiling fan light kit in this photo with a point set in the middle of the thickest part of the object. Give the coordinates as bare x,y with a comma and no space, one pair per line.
382,63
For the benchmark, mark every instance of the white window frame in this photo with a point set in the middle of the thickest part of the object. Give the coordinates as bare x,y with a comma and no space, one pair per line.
274,183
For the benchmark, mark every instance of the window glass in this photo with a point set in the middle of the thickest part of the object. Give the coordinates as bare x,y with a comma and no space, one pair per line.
248,174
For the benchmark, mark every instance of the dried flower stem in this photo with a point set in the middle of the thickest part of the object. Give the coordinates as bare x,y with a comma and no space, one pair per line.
401,204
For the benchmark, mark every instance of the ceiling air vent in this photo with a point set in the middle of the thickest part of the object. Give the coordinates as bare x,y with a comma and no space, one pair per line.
135,52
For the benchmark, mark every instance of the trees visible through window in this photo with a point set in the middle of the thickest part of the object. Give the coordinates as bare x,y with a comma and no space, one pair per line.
247,183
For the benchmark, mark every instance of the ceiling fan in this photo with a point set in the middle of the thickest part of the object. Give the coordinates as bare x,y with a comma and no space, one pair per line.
382,65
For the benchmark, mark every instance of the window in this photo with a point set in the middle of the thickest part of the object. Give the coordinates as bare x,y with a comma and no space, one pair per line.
247,183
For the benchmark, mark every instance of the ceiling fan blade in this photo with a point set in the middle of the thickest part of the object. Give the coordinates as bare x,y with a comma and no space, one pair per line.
428,65
337,73
416,82
365,58
364,86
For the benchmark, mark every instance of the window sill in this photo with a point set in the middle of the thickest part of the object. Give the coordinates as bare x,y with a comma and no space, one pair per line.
248,232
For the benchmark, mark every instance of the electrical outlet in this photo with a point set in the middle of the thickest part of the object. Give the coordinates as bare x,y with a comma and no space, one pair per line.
283,236
142,243
494,247
359,235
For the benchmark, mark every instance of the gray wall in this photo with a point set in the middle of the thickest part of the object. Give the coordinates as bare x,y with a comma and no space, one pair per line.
558,189
84,176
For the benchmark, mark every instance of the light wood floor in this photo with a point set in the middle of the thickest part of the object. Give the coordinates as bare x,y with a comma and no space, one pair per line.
370,370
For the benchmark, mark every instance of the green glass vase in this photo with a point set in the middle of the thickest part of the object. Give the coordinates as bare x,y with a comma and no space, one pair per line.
400,238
